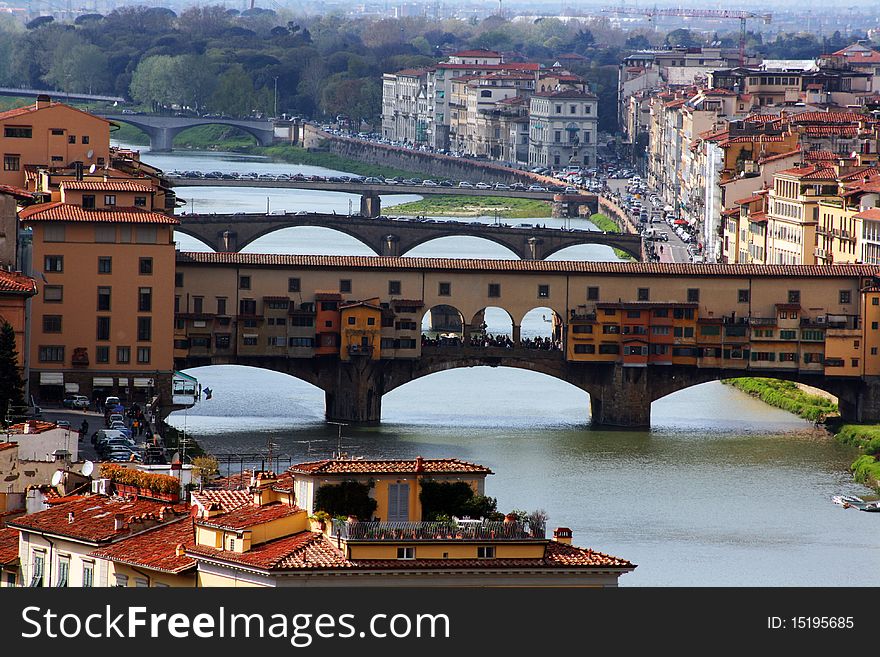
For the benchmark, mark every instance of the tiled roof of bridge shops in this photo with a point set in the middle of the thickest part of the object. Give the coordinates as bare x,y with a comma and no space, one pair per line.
13,282
68,212
521,266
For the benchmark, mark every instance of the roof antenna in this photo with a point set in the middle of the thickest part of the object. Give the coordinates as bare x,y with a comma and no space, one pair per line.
339,453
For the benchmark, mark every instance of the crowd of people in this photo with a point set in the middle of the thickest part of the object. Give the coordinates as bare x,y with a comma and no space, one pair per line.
485,340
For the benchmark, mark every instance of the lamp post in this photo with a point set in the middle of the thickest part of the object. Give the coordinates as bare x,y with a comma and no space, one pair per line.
275,114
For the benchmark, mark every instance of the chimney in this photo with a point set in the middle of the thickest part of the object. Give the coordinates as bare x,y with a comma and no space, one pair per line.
70,518
179,551
78,169
420,464
562,535
118,522
43,101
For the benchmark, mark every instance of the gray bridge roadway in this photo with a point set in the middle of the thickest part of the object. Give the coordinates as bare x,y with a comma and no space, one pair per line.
394,237
59,95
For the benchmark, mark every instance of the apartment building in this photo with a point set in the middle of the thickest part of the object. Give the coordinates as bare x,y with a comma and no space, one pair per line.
405,106
563,128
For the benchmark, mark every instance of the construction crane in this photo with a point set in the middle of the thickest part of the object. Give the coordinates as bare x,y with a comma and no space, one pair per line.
743,16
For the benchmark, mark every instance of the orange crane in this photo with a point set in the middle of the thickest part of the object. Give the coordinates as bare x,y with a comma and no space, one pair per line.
743,16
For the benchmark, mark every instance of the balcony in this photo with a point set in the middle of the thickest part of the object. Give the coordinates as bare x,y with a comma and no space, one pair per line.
762,321
460,530
360,350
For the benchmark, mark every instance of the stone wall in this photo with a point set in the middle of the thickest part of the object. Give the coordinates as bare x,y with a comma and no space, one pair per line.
427,164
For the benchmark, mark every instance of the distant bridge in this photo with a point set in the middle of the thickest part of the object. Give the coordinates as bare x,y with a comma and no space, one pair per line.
393,237
60,95
162,129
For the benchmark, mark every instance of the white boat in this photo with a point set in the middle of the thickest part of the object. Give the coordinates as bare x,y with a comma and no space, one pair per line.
847,500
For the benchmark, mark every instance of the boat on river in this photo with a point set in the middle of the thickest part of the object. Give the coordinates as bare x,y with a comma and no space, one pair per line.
847,500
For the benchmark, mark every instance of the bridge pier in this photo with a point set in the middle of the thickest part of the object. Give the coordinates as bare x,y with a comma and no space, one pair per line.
391,246
623,399
356,393
161,139
865,404
371,205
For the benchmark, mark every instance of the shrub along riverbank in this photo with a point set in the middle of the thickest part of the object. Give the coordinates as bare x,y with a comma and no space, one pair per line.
476,206
787,396
606,223
866,468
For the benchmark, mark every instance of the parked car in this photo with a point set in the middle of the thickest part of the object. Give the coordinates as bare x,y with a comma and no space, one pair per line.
482,185
76,401
465,183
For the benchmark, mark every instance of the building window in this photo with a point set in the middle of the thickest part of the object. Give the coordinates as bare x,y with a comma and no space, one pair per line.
105,233
351,321
121,580
393,287
54,233
103,298
103,330
143,354
51,323
794,296
559,109
53,293
485,552
293,285
85,139
543,291
743,296
406,553
221,305
88,576
371,321
37,575
845,296
140,201
145,329
244,282
105,265
53,263
145,266
18,132
145,300
102,354
643,294
178,279
693,295
592,294
444,289
494,289
123,354
247,307
345,285
51,354
110,199
11,162
63,571
88,201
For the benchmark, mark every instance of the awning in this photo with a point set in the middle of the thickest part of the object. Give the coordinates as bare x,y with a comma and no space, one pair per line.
681,222
51,378
102,382
71,387
123,381
143,383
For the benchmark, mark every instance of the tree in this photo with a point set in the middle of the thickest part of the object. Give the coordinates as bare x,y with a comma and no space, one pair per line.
11,383
681,37
638,42
234,94
348,498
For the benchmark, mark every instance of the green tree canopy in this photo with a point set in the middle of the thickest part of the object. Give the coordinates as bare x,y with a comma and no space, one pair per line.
11,383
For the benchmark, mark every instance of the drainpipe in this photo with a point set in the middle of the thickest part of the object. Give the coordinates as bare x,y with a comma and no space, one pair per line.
51,558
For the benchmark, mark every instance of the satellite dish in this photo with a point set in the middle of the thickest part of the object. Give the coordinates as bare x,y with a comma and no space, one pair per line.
176,457
92,168
88,468
57,477
90,154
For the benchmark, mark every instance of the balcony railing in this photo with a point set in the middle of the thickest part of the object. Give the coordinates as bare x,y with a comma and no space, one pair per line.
464,530
762,321
360,350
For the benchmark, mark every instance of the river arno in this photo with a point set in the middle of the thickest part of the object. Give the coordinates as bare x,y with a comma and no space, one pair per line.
723,490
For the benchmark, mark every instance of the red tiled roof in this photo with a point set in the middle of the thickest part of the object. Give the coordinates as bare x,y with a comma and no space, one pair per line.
872,214
93,518
248,516
831,130
17,192
820,156
731,212
754,139
810,172
20,111
524,266
779,156
242,480
227,499
862,174
106,185
155,549
514,66
68,212
412,72
751,199
758,217
304,550
566,93
476,53
17,283
36,426
7,446
8,545
388,466
826,118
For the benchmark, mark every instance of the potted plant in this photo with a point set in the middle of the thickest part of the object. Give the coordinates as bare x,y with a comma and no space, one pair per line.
319,521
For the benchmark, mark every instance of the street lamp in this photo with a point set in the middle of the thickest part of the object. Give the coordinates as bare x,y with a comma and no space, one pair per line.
276,98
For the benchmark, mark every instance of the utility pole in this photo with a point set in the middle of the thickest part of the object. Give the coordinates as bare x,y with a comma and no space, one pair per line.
275,113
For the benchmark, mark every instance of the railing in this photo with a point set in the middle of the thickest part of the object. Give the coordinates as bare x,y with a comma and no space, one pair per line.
762,321
360,350
467,530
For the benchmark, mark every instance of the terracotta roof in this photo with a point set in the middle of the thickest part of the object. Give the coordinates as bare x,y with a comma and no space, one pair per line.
69,212
36,426
7,446
824,118
758,217
751,199
862,174
514,66
566,93
412,72
820,156
810,172
831,130
476,53
533,266
872,214
17,283
303,550
388,466
227,499
779,156
155,549
8,545
730,212
93,518
17,192
242,480
20,111
106,185
355,304
247,516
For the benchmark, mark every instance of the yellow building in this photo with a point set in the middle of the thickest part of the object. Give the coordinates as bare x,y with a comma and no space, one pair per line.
48,134
361,329
104,316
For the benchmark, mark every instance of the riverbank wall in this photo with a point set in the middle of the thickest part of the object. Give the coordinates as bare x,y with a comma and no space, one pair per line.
787,396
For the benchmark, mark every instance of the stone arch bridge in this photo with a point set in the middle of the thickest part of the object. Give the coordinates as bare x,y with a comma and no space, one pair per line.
233,232
162,129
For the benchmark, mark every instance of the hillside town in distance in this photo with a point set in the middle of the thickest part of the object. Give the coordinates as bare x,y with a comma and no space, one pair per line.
712,159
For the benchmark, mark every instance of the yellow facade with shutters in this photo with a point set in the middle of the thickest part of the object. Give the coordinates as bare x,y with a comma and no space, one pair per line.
361,330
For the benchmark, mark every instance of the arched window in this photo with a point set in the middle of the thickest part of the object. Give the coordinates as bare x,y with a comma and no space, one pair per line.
486,94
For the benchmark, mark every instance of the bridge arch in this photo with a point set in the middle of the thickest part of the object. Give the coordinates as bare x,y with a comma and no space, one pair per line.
238,128
541,322
347,249
443,318
635,252
462,231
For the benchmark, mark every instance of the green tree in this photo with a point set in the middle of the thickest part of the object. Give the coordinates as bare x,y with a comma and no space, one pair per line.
79,67
153,81
234,94
348,498
11,383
